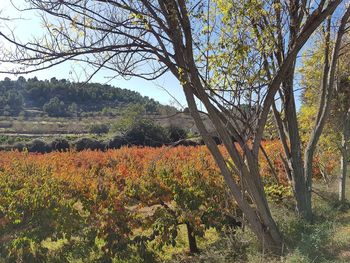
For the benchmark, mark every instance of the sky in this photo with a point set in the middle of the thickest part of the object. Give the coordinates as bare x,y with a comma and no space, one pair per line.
29,25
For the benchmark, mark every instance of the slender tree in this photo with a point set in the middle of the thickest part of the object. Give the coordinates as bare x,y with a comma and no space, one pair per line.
336,130
299,164
227,55
341,114
340,117
343,96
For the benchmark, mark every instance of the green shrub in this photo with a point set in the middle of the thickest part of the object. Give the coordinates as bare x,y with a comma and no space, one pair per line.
60,144
88,144
3,139
38,146
278,193
146,133
18,146
175,133
116,142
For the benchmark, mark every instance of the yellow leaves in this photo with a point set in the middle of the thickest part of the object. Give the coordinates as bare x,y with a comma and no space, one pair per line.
224,5
140,20
225,8
182,76
136,16
277,6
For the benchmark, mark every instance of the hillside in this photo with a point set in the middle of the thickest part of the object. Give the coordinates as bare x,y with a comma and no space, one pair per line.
61,98
54,108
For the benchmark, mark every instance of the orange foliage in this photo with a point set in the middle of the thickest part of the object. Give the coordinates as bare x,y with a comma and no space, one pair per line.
324,163
111,194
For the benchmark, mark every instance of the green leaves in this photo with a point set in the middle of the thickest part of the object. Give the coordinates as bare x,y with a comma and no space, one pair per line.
237,37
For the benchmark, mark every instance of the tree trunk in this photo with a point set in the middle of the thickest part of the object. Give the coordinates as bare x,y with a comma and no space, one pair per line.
343,172
344,157
192,239
258,216
327,84
303,199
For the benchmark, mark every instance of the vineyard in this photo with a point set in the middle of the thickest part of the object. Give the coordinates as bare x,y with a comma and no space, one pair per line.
121,204
250,158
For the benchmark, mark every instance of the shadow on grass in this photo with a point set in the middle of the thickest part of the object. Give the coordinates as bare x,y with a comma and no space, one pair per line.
323,240
326,239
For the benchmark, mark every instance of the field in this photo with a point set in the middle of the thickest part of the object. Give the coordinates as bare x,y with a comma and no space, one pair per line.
148,205
107,203
34,127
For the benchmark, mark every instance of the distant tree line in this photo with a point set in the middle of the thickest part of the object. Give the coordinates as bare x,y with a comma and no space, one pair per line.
140,134
133,128
62,98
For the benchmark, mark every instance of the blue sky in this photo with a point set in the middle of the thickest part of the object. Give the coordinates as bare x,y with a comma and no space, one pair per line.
29,25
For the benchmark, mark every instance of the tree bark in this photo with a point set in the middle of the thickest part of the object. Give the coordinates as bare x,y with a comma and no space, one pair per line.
192,239
303,200
258,217
344,157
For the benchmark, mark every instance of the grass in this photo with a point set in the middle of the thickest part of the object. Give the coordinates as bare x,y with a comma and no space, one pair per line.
326,240
182,247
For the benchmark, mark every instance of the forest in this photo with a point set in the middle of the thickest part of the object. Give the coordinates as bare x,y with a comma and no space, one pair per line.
61,98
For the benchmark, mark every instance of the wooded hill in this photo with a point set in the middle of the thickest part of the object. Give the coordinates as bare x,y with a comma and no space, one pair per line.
62,98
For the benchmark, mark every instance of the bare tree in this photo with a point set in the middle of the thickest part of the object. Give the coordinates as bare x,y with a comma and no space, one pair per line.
235,79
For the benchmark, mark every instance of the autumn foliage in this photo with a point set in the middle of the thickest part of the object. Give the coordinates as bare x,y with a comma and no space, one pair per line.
114,204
